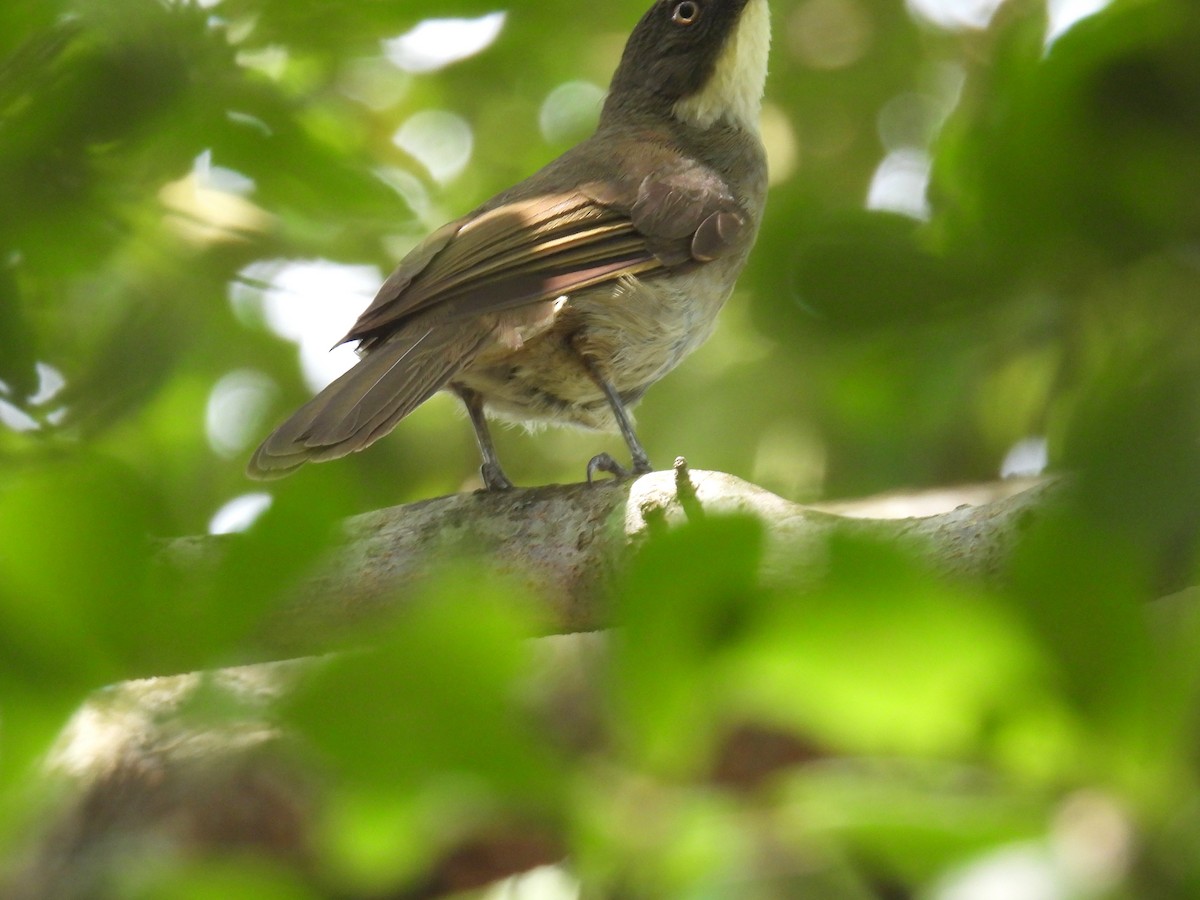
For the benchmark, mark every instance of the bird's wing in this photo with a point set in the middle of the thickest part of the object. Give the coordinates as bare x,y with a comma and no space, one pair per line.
549,245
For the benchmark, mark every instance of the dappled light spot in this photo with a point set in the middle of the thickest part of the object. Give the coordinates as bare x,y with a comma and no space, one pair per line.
791,458
16,418
34,415
220,178
570,111
1025,870
209,205
779,139
236,410
900,182
908,120
1063,14
439,140
542,883
1028,456
955,15
416,194
436,43
310,302
254,123
50,382
239,513
1086,854
270,61
373,83
830,34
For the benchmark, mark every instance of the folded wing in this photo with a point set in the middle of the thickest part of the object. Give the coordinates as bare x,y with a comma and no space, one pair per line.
431,317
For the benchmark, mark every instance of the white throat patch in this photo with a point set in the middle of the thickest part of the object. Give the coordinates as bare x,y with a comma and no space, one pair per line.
735,89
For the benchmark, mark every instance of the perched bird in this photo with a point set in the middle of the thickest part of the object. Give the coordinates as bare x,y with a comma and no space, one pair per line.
562,299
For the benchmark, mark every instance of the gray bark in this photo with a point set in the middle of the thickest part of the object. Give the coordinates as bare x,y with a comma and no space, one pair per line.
564,543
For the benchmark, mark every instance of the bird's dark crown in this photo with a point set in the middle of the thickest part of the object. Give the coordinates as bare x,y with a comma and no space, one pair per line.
674,53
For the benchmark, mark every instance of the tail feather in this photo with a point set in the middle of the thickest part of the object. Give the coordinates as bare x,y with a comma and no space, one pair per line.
384,382
367,402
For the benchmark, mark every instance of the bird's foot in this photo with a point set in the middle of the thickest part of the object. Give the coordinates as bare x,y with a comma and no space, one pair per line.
603,462
494,478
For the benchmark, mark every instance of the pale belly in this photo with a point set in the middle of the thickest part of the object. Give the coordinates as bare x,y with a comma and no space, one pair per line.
634,332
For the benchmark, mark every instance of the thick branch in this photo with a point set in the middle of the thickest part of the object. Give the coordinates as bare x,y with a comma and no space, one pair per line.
564,543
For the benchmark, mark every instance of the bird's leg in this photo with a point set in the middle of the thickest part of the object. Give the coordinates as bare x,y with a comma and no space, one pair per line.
494,478
603,462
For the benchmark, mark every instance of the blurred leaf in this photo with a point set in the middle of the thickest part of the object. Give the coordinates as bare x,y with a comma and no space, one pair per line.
433,705
130,363
904,284
670,841
72,575
1087,143
81,98
17,370
912,820
224,604
373,840
73,599
226,879
883,659
1134,439
1081,589
426,732
677,617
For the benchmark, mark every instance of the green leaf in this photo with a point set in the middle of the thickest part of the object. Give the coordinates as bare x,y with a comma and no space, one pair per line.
434,704
688,597
882,658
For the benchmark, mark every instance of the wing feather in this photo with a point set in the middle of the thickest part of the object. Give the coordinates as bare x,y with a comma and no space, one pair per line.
538,248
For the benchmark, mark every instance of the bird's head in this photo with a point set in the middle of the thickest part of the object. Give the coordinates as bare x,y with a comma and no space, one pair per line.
699,61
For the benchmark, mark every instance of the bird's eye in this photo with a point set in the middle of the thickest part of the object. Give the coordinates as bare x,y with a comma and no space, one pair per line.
685,13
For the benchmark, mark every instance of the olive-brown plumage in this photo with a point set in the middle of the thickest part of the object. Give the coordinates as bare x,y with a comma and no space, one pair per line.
565,297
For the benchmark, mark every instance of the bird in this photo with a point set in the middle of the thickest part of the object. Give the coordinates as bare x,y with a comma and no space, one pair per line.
564,298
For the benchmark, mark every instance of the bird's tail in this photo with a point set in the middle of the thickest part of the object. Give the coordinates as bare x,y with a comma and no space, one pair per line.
392,379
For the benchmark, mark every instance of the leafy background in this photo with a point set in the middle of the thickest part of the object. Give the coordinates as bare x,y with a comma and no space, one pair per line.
979,237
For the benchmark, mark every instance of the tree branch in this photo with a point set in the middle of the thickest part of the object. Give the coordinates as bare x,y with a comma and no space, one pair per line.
565,542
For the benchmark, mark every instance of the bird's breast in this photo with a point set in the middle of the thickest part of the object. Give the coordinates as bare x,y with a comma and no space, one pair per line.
637,331
634,331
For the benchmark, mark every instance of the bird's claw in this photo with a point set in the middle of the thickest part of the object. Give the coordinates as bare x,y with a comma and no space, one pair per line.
604,462
494,478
